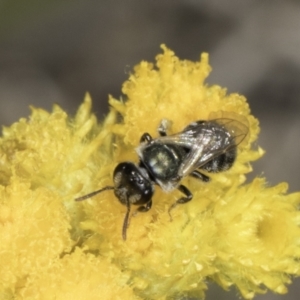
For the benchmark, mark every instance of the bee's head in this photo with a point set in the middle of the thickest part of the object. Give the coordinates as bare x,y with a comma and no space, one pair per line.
132,184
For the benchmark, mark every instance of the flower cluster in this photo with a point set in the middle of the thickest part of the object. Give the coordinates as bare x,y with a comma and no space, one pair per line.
52,247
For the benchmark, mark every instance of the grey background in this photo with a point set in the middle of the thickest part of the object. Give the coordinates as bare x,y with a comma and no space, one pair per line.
55,51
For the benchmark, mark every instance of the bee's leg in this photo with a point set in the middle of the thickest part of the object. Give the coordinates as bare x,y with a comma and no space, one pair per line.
145,207
163,127
146,137
200,176
126,221
181,200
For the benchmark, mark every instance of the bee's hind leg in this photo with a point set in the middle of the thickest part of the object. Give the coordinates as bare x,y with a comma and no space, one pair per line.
199,175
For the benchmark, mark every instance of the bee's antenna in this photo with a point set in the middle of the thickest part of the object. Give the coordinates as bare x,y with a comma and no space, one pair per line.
94,193
126,223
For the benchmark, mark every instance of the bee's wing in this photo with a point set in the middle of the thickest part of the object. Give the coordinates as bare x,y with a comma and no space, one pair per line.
191,135
182,139
236,124
209,140
237,129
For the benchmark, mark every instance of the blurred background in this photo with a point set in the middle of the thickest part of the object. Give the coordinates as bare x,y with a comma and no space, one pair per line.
55,51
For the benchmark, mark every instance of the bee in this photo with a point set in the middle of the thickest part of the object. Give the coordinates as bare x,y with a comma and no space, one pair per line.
205,145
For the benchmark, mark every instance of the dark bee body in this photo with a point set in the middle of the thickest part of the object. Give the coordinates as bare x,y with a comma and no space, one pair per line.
209,145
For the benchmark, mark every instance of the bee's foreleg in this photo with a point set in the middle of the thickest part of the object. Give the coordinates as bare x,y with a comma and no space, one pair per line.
163,127
146,137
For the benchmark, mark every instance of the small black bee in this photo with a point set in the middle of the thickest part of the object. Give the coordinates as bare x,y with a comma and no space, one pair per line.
208,145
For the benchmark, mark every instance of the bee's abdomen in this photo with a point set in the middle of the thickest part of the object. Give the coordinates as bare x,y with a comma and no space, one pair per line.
222,162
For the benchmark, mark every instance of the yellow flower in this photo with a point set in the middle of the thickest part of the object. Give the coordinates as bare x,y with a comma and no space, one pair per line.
237,234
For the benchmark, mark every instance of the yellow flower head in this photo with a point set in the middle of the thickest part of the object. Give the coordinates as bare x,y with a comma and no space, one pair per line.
236,234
